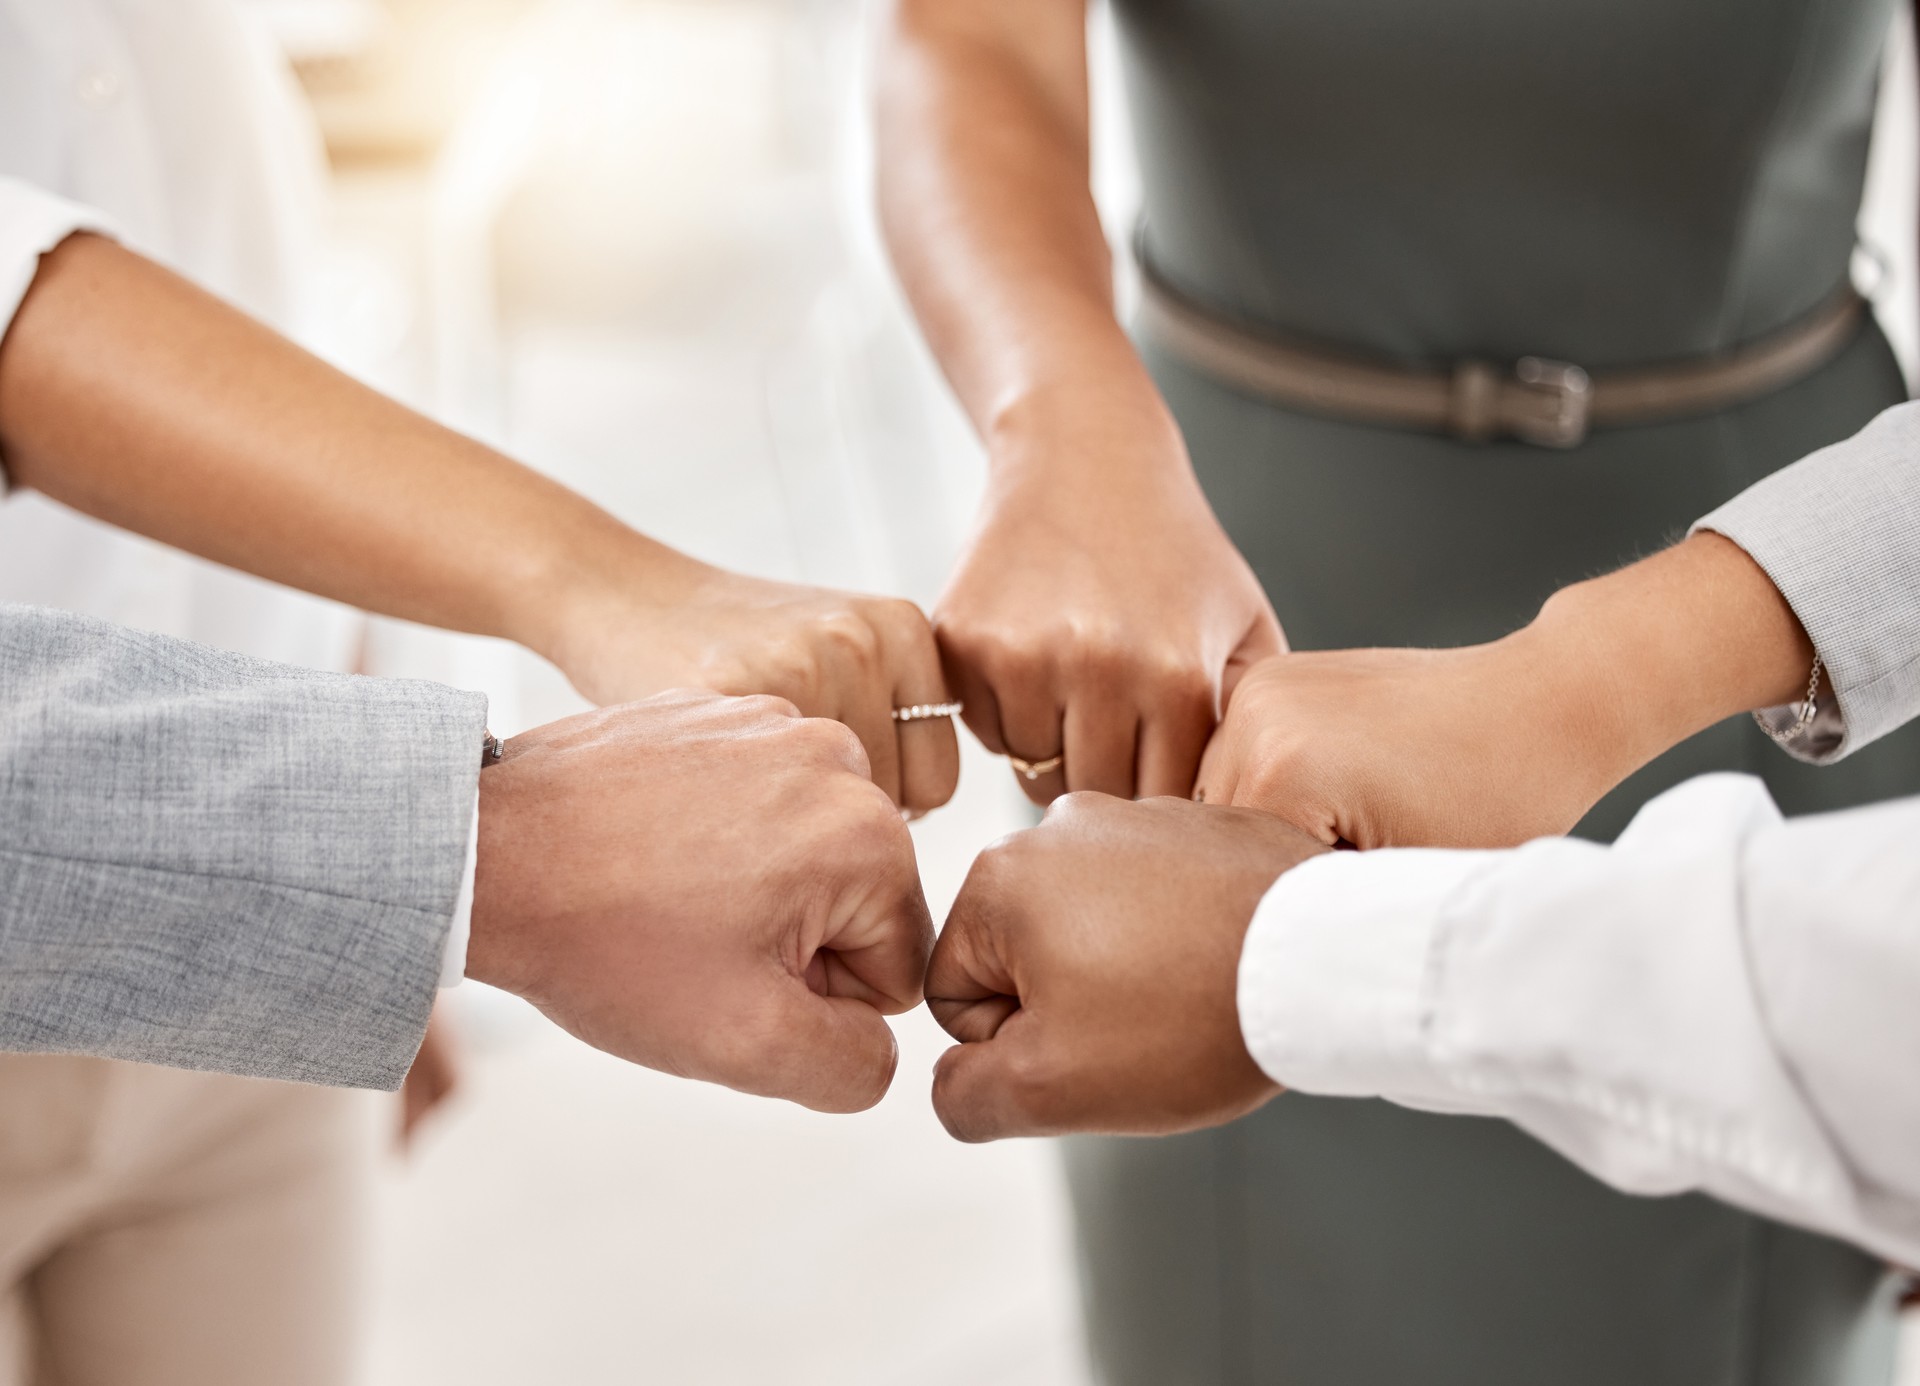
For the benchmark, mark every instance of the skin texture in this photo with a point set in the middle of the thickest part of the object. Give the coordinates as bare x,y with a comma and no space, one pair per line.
129,394
1089,970
708,886
1493,745
1099,611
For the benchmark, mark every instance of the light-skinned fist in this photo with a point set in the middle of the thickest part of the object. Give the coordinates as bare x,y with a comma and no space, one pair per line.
708,886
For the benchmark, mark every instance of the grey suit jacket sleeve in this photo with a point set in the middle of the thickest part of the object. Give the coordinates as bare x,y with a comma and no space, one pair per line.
1839,534
219,863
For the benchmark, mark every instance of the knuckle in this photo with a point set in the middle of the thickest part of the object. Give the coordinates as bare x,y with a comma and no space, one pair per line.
1030,1081
902,617
1099,656
850,636
1000,863
769,705
1078,808
831,740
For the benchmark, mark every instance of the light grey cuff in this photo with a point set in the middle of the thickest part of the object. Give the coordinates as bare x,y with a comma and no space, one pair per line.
1839,534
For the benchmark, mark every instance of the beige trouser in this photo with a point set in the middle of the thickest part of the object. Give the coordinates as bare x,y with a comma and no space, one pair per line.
163,1228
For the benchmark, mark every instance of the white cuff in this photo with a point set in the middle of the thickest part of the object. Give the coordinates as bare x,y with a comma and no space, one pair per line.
1334,974
453,958
32,223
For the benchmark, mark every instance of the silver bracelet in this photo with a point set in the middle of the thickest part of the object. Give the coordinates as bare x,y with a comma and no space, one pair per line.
491,749
1808,710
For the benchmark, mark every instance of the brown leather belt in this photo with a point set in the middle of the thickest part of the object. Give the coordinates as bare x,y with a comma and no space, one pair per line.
1552,403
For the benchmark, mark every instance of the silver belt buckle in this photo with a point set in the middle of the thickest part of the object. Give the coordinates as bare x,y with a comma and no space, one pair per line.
1554,399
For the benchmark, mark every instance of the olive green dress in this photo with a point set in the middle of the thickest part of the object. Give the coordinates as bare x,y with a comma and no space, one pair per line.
1608,182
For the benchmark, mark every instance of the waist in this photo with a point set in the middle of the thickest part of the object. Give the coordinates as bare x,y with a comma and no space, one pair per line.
1537,399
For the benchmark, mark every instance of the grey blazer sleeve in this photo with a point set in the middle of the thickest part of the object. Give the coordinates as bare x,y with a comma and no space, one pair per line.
1839,534
215,862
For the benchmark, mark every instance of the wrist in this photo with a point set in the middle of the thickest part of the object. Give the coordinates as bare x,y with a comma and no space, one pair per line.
495,954
1641,659
1109,428
621,584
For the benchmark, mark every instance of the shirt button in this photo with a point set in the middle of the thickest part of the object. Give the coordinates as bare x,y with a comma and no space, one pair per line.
97,88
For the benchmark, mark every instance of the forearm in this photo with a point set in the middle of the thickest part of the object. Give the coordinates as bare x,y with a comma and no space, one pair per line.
987,206
130,394
215,862
1719,1002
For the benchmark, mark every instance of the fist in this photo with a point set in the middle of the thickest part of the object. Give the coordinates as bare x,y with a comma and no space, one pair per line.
838,655
1090,966
1480,746
709,886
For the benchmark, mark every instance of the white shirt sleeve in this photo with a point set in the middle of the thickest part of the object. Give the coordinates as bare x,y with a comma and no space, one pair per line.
453,957
32,223
1722,1001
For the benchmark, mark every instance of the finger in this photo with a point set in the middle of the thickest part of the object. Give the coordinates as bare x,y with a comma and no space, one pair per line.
997,1089
981,709
879,932
929,749
970,986
829,1053
1172,743
870,715
1031,721
1219,778
1263,641
1099,740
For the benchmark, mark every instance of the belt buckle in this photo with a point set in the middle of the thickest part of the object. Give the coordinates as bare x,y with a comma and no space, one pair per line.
1552,403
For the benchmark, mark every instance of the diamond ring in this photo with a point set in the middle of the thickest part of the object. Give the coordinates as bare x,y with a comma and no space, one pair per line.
925,712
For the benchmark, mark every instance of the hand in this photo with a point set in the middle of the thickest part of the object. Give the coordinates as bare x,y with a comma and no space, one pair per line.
1493,745
839,655
1089,970
434,1077
1383,748
1102,615
707,886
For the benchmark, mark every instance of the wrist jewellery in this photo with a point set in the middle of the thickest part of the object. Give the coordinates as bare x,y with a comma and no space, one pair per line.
491,749
926,712
1808,710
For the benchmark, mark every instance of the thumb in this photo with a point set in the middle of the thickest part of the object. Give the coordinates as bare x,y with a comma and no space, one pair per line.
1264,641
828,1053
1219,777
996,1088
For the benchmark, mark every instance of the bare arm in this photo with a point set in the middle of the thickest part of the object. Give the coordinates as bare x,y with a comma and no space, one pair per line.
987,206
1148,610
129,394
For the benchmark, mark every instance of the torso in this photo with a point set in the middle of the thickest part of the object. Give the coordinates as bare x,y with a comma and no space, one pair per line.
1605,181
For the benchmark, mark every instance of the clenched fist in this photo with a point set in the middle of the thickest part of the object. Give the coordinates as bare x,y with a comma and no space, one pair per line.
1089,971
708,886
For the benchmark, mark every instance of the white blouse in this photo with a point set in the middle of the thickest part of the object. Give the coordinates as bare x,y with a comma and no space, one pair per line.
176,124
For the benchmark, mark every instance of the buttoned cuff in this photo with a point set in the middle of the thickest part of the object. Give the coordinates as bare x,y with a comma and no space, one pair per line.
32,223
453,957
1334,974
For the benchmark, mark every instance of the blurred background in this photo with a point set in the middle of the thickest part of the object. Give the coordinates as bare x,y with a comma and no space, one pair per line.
630,242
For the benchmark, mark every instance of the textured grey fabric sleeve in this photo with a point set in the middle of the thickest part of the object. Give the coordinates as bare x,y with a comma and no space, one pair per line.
215,862
1839,534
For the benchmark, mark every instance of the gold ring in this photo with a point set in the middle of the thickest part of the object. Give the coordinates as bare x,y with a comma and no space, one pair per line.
926,712
1034,769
